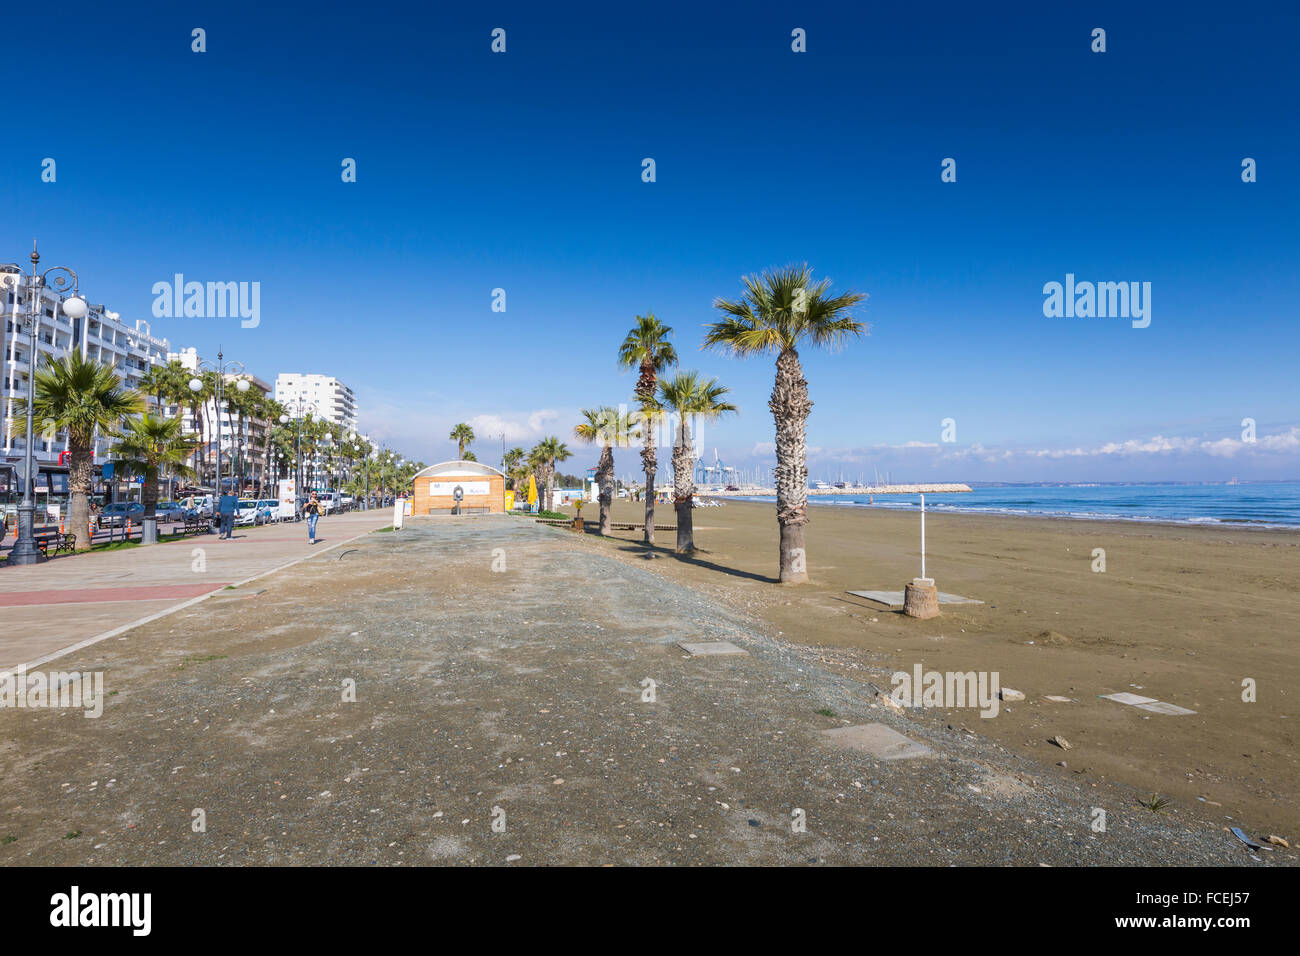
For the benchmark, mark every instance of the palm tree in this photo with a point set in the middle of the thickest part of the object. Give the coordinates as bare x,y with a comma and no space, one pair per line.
555,451
781,310
149,445
606,427
199,400
648,349
243,406
511,463
79,396
462,435
538,462
689,396
168,385
156,382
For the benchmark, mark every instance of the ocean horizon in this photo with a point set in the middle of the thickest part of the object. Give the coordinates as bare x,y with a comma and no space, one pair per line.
1252,505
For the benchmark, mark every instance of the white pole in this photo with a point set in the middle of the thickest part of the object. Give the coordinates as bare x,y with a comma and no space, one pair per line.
922,536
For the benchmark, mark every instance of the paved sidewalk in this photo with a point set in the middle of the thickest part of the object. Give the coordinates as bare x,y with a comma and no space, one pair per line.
48,608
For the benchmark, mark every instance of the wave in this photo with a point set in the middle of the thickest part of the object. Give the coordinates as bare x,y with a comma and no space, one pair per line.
1276,507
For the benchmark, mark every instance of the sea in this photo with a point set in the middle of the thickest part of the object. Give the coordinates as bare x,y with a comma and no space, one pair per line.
1251,504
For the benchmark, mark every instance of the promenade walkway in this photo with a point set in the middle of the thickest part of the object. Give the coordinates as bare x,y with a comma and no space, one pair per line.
48,609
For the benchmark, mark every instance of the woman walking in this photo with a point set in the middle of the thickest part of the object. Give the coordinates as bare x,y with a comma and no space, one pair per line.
312,510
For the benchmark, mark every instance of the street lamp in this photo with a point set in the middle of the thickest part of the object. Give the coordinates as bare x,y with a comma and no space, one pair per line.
74,307
222,368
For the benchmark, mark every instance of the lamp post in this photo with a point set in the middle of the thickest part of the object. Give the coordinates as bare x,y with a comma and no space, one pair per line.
298,409
74,307
222,368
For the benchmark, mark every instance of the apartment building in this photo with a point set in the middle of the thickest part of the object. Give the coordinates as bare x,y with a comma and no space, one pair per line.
335,400
101,335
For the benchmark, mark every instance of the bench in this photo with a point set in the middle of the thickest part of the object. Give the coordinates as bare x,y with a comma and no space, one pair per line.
195,524
63,543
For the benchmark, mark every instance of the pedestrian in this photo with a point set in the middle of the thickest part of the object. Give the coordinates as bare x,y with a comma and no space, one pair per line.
226,508
312,510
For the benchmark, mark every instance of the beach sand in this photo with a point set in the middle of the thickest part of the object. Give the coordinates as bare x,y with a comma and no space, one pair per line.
1181,614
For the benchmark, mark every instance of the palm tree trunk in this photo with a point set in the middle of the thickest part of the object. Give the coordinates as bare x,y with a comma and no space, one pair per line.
790,406
650,463
81,468
605,481
684,489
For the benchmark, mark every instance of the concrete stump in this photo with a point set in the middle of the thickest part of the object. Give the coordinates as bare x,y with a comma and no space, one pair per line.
921,598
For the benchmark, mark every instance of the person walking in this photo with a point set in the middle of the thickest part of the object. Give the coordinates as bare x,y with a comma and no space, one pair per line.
226,508
312,510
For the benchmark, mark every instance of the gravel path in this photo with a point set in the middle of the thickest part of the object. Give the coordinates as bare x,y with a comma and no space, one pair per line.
514,697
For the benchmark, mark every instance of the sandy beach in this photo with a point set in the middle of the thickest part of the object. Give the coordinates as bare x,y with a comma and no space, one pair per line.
1181,614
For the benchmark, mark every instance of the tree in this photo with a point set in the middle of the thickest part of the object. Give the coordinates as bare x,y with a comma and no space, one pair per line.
536,462
512,463
689,396
200,400
148,446
779,311
647,348
556,451
79,396
607,427
462,435
243,406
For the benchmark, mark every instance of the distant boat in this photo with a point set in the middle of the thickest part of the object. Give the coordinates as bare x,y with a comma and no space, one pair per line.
1234,481
820,486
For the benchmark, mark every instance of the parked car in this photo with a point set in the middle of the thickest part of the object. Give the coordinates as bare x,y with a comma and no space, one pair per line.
255,511
170,511
201,505
119,512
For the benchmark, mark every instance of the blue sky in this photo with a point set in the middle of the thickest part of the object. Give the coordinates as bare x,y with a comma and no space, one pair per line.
522,171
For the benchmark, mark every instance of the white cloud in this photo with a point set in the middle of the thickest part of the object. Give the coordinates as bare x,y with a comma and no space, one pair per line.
1284,442
527,428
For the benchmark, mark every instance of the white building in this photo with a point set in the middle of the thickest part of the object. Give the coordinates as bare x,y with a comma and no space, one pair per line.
335,400
242,439
100,335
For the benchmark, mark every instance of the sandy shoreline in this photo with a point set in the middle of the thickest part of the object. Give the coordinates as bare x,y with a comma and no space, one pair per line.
1182,613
